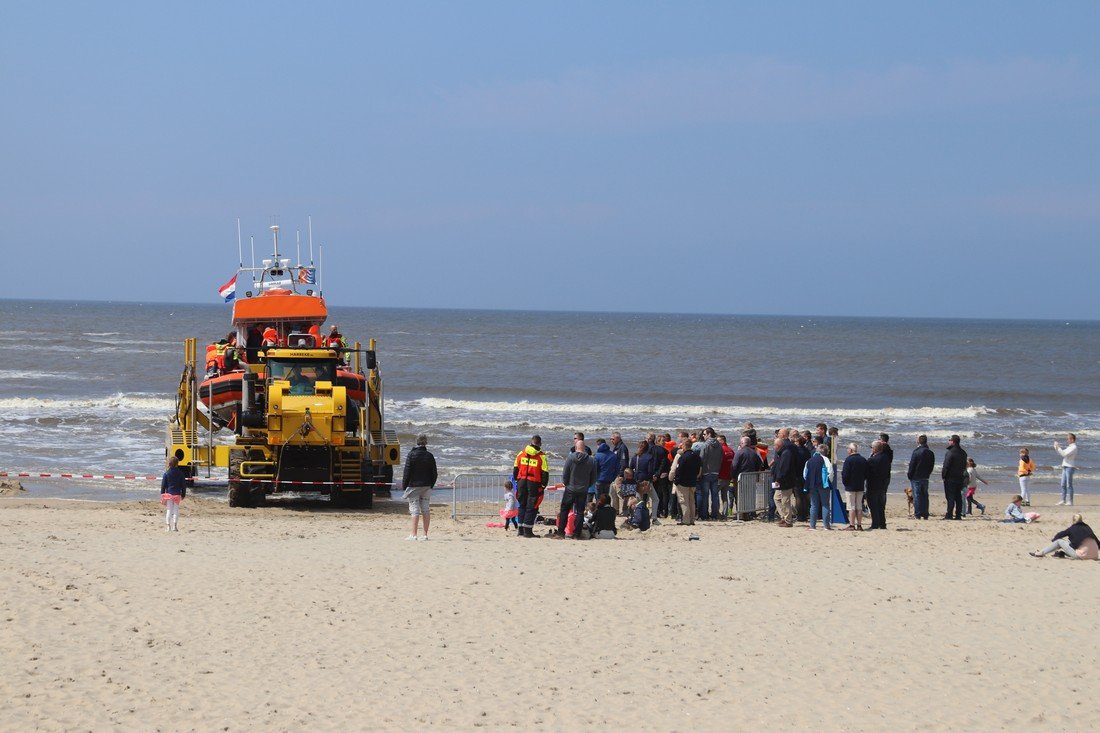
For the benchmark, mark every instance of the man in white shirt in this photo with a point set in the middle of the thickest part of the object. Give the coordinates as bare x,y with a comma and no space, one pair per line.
1069,466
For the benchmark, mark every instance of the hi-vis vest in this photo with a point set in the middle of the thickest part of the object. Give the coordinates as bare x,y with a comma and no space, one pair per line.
530,466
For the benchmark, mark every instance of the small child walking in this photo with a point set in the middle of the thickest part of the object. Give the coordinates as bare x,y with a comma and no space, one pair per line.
510,512
972,487
173,487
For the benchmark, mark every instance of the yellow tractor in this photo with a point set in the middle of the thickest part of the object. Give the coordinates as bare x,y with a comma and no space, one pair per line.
304,422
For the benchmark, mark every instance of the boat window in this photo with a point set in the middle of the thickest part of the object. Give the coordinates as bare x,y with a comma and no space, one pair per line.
302,374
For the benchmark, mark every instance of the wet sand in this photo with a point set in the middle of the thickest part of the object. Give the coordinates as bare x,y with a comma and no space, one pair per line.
299,617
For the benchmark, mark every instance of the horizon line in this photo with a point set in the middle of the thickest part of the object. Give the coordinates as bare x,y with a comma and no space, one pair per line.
1037,319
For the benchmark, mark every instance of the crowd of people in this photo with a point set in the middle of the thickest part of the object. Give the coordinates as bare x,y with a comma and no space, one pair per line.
695,479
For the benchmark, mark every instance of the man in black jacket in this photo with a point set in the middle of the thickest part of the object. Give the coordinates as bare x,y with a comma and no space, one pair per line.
854,478
878,480
685,477
419,478
579,473
745,460
783,477
954,477
921,464
621,451
803,453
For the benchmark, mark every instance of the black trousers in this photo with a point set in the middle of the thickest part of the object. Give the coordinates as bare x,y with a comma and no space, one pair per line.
528,493
953,490
876,502
572,500
664,488
801,504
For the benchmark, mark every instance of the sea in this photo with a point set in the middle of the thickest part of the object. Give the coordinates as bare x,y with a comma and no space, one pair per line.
88,387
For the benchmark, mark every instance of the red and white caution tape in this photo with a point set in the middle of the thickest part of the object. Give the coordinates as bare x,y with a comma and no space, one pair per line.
317,483
113,477
138,477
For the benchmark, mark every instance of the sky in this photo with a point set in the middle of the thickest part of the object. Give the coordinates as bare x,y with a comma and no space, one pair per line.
931,159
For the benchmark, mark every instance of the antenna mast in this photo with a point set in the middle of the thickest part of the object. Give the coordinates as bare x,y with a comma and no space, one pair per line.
275,235
240,252
310,220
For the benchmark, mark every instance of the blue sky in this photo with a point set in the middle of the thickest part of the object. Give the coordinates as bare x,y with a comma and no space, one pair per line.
924,159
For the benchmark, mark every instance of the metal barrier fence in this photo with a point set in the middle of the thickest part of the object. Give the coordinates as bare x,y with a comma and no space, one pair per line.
482,494
753,491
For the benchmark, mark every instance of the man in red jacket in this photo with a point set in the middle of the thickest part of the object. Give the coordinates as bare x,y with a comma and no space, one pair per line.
724,473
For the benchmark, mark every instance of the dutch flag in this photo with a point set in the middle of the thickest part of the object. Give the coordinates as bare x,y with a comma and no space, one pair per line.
229,290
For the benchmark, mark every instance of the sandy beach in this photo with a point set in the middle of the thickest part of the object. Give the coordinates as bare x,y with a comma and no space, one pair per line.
303,618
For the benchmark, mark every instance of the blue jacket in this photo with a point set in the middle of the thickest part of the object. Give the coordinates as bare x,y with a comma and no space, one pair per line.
174,482
815,474
854,473
640,517
643,465
921,464
607,464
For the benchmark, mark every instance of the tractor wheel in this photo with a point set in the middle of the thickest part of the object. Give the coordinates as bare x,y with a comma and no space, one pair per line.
240,494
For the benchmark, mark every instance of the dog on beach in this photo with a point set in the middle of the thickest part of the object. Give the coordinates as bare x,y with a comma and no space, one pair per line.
909,498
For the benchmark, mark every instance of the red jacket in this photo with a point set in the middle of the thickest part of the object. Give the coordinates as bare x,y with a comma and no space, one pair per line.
725,471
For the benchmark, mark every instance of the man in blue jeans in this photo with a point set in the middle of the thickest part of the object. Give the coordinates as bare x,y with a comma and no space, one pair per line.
707,491
920,469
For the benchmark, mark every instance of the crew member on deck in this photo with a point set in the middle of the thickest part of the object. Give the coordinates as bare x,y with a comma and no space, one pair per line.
271,338
336,340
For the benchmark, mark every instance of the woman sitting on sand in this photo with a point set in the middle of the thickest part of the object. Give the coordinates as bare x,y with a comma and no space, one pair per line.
1077,542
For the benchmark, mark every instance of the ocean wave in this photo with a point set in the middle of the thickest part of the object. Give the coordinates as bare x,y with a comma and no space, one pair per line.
694,413
118,406
20,374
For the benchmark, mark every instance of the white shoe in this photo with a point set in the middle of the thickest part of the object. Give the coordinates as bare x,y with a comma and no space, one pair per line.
423,539
1061,503
167,528
411,537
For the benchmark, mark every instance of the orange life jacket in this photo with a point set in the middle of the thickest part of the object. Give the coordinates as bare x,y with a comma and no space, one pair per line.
211,356
531,466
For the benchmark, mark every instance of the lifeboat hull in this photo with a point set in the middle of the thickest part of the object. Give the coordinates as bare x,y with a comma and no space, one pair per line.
222,394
